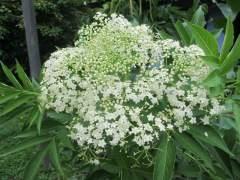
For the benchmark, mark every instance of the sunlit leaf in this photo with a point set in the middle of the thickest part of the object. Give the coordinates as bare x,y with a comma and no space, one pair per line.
205,40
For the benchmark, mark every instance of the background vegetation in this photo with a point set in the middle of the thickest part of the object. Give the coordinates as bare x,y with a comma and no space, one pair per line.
58,22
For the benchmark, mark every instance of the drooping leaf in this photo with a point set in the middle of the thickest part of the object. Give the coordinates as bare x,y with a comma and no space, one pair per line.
55,157
34,164
205,40
209,135
231,58
228,40
24,145
191,145
23,77
165,159
11,77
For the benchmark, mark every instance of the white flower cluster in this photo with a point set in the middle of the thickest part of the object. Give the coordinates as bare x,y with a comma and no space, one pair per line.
124,88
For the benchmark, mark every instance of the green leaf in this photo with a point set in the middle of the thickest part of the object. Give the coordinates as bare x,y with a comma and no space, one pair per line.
228,40
232,57
111,168
191,145
212,61
199,17
214,79
13,116
205,40
23,77
208,135
11,77
236,112
165,159
227,11
182,33
24,145
163,35
60,117
6,98
217,33
11,105
34,116
55,157
34,164
234,4
40,119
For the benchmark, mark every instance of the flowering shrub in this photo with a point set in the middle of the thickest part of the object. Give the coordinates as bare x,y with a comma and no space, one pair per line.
132,105
124,86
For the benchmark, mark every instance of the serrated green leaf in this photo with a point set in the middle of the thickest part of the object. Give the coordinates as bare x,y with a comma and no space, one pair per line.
165,159
191,145
205,40
34,164
208,135
55,157
231,58
23,77
228,40
11,77
182,33
24,145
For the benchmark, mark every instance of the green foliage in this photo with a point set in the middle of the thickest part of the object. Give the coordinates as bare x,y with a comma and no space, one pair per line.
20,102
205,152
63,21
165,159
